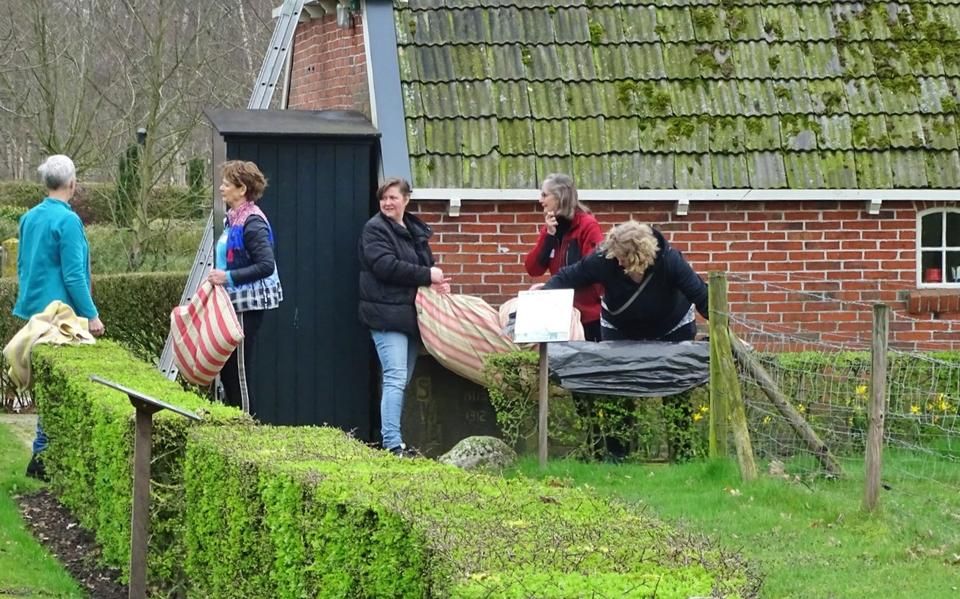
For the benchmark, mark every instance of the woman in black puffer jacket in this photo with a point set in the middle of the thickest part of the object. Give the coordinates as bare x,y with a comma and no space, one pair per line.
395,259
650,291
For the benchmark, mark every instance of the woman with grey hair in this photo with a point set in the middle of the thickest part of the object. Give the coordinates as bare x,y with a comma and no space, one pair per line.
569,234
53,263
650,291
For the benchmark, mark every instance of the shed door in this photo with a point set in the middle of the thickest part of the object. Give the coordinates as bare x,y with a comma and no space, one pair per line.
312,354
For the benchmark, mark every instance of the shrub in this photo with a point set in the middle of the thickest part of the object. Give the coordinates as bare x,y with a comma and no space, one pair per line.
292,512
91,447
94,201
173,248
594,426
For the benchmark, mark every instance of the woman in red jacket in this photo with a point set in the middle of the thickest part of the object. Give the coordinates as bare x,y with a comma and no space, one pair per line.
569,234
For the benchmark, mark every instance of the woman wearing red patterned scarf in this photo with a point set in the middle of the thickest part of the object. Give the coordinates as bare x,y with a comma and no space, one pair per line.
245,265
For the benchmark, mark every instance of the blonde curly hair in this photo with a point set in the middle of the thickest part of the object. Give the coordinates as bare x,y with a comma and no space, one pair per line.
633,245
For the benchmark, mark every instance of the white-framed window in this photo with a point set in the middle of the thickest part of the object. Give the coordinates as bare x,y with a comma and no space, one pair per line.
938,248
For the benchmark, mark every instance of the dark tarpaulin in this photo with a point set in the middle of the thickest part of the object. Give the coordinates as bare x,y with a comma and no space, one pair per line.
631,368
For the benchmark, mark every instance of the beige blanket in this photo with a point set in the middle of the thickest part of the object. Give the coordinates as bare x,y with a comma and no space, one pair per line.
57,324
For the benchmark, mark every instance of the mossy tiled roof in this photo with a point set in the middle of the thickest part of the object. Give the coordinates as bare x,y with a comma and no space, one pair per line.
681,93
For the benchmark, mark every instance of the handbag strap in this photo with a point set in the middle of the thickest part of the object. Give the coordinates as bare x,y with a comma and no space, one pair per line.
633,297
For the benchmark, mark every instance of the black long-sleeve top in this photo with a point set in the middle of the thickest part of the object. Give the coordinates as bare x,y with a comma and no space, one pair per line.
665,300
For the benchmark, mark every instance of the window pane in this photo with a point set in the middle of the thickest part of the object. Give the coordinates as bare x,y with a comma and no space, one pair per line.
953,229
931,230
931,267
953,267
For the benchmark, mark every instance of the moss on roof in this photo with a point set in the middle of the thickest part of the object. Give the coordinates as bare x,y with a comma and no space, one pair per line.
682,93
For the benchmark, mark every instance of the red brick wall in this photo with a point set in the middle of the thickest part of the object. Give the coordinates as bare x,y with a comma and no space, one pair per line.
809,270
329,69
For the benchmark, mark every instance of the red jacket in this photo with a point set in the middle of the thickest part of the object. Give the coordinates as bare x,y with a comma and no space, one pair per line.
578,241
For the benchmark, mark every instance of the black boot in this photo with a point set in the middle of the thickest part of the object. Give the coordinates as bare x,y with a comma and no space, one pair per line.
36,468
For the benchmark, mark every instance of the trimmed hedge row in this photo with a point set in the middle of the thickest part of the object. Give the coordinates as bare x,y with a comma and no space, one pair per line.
135,308
91,447
294,512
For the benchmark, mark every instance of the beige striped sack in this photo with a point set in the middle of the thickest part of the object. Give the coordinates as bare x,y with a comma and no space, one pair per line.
460,330
205,331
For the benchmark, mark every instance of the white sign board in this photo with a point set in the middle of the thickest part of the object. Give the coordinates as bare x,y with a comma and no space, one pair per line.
543,316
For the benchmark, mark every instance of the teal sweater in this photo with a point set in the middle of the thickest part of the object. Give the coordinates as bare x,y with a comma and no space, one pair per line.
53,261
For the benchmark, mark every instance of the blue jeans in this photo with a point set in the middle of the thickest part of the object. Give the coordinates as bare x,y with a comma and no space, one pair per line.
398,355
40,441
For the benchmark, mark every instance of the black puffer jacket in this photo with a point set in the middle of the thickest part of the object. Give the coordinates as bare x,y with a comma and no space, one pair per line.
664,301
394,261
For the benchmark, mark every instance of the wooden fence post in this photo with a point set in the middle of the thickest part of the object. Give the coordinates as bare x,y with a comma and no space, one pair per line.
718,321
878,405
725,384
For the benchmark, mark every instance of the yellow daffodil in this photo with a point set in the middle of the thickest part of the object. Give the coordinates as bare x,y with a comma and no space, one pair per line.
861,389
914,409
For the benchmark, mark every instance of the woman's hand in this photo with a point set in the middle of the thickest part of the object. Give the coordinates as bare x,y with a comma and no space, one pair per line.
551,219
217,277
436,275
441,287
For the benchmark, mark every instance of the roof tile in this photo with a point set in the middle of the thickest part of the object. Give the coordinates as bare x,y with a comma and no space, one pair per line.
505,61
835,132
537,26
481,171
674,25
693,171
905,131
940,132
803,169
639,23
516,136
547,165
476,98
505,25
839,170
874,170
572,25
543,63
587,136
605,25
943,170
766,170
440,100
547,99
621,136
576,62
592,172
472,26
655,171
909,169
518,171
552,138
730,171
517,99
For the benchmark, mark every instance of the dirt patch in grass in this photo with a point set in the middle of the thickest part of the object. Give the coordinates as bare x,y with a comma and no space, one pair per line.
56,528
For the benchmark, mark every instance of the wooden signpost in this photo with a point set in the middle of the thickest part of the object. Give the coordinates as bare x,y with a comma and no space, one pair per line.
543,316
140,520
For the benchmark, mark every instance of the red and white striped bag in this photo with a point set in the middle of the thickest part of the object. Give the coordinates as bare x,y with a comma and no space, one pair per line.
205,331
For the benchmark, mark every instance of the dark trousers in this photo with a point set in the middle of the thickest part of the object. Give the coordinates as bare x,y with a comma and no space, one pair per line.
236,373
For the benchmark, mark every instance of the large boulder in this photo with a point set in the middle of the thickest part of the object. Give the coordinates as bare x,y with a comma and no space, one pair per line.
480,452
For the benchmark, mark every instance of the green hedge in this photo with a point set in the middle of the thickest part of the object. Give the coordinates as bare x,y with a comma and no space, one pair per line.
91,447
308,512
93,201
135,308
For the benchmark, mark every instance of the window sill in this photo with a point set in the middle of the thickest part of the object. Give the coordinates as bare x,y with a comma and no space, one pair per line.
942,303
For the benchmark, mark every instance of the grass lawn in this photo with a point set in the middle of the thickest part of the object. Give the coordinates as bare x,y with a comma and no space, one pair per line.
26,569
807,541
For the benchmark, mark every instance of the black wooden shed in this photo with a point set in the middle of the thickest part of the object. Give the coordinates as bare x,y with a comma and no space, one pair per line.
313,360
